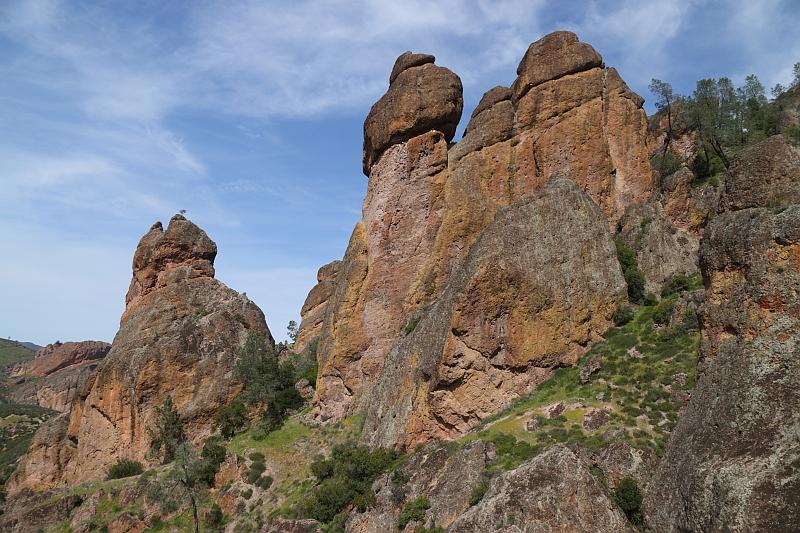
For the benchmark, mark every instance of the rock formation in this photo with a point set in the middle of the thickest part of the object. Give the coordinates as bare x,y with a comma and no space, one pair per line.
313,311
538,287
428,202
733,463
552,492
53,378
178,337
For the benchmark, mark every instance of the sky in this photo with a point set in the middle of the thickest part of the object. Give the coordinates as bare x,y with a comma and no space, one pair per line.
249,114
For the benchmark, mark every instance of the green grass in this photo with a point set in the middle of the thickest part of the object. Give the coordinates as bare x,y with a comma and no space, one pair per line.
13,352
638,363
18,423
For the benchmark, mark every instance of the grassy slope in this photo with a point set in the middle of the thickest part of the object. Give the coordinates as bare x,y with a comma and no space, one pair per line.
638,366
18,423
13,352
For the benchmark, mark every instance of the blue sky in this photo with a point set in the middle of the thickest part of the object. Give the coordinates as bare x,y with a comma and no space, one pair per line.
249,114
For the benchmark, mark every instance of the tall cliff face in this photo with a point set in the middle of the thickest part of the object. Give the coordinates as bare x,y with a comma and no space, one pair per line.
733,462
178,337
538,287
428,202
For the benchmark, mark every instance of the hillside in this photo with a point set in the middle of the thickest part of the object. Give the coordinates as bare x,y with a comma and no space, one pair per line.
12,352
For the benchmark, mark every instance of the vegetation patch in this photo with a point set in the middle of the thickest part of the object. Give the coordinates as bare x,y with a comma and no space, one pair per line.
644,377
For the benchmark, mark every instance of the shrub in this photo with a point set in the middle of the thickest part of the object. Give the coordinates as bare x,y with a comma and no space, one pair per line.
678,283
633,276
413,511
246,494
124,468
623,315
663,312
215,518
345,478
665,163
264,482
211,457
231,418
792,134
167,433
266,382
629,499
510,451
650,299
412,324
478,491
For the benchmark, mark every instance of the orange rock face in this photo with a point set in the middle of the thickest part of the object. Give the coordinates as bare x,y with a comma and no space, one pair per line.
313,311
178,337
428,203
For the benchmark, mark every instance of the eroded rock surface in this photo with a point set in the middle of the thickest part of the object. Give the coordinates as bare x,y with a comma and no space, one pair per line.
662,249
553,492
53,378
178,337
539,287
733,463
312,313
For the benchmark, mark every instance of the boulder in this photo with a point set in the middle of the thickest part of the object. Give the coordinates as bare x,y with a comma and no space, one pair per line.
422,97
312,314
551,57
55,357
662,250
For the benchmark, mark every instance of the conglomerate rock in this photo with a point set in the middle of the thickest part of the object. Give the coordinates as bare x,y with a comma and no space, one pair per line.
536,290
178,337
733,463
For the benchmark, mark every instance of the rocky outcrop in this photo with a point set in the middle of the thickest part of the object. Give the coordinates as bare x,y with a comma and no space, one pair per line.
55,357
766,174
178,337
53,378
732,463
662,250
428,202
552,492
685,205
184,251
446,478
536,290
312,313
421,97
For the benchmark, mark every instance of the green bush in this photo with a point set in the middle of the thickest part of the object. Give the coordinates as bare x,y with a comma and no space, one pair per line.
231,418
679,283
124,468
412,324
413,511
510,451
266,382
215,518
246,494
649,300
665,163
623,315
167,433
663,311
792,134
344,479
629,499
630,269
264,482
478,491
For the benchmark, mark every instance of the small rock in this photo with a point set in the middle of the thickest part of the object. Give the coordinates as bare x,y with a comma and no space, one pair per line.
594,419
600,396
533,424
588,368
304,388
554,410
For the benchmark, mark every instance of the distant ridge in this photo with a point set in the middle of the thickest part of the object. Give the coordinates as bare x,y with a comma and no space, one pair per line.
14,351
